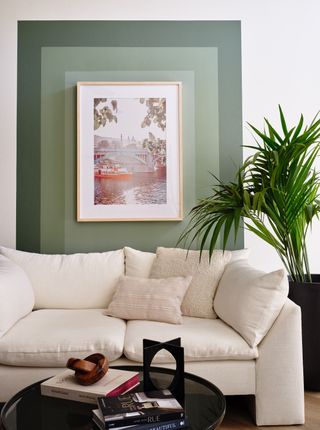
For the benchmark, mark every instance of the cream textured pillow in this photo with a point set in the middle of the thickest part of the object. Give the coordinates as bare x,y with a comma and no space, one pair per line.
138,263
198,301
149,299
250,300
16,294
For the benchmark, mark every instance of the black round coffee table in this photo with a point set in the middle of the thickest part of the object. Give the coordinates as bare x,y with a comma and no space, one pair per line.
204,405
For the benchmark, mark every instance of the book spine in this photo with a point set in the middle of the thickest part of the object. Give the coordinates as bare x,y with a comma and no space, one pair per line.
87,397
98,423
145,419
126,386
166,425
62,393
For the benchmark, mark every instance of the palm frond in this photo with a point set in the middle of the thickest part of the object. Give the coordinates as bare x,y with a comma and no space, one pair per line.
276,186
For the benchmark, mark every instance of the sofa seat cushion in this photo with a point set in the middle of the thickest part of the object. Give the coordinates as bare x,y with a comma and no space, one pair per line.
48,337
202,339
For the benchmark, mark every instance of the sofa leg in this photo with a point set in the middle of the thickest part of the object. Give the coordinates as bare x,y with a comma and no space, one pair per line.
250,403
1,406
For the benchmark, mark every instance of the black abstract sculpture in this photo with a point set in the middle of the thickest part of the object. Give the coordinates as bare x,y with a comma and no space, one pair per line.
150,349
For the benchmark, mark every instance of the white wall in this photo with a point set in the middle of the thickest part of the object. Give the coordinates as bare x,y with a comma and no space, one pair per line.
281,64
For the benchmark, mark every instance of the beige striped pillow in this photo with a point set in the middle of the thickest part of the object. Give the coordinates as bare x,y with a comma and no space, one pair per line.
149,299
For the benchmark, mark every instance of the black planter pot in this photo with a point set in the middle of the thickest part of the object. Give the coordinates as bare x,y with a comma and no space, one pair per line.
307,296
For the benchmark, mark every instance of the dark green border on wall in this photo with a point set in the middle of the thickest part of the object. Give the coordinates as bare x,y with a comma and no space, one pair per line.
33,35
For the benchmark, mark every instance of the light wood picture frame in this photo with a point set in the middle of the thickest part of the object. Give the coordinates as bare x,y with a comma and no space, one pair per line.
129,151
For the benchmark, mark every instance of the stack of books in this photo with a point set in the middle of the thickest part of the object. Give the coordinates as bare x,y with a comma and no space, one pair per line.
153,410
114,383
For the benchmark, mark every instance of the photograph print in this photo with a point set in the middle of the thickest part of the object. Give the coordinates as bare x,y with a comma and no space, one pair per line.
129,151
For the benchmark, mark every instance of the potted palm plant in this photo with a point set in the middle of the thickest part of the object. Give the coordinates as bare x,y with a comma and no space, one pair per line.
275,196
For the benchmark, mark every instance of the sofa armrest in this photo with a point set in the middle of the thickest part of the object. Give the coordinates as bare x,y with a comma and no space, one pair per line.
279,371
16,294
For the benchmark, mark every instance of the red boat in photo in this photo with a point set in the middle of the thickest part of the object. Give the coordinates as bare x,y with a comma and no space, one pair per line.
111,171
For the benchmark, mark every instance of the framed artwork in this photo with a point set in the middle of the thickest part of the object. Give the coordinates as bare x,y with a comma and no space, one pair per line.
129,160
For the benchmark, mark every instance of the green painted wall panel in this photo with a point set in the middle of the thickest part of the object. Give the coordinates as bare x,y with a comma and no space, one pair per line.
36,223
200,150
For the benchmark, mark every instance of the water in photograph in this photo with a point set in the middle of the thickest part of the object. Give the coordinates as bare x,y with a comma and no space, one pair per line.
139,189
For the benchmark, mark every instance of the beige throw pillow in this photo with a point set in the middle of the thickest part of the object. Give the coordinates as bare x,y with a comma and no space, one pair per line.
250,300
149,299
198,301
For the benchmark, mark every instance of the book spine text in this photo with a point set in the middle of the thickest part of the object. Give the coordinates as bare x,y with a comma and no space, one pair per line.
155,420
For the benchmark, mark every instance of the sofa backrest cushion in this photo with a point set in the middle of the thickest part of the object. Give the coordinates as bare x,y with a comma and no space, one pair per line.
250,300
149,299
198,301
75,281
138,263
240,254
16,294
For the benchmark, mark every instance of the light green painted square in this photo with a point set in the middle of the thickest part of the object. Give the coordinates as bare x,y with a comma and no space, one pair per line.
62,67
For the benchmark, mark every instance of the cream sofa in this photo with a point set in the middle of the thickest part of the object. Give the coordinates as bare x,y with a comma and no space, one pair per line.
67,317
